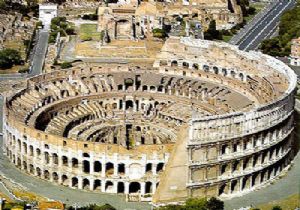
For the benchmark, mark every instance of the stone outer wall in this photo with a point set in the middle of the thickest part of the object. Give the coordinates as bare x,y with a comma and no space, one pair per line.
223,154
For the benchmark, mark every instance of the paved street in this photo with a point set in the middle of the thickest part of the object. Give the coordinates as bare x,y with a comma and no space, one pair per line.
37,61
266,25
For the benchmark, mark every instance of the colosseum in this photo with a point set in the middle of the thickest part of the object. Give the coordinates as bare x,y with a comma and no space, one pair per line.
205,119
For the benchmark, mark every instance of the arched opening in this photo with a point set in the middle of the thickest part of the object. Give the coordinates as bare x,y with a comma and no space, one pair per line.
64,180
121,168
234,186
216,70
31,150
128,83
160,167
109,186
129,104
86,184
152,88
195,66
109,168
97,166
206,68
224,72
148,187
86,155
38,152
185,65
74,163
55,177
174,63
134,187
74,182
86,166
55,158
222,189
46,174
31,169
38,172
121,187
97,184
64,161
47,159
148,167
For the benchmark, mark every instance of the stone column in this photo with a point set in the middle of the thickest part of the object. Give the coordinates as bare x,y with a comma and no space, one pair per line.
143,184
126,188
80,184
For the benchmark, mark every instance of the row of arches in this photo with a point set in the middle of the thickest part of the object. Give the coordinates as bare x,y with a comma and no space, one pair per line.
206,68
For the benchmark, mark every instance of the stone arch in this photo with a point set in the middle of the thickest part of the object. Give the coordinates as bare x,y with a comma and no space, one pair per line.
159,167
86,166
196,66
148,167
31,169
174,63
222,189
224,72
31,150
64,160
216,70
74,162
47,158
134,187
109,186
97,166
86,184
148,188
55,158
206,68
64,180
109,168
128,82
232,73
74,182
121,187
241,76
46,174
97,184
38,172
121,168
55,177
129,104
185,65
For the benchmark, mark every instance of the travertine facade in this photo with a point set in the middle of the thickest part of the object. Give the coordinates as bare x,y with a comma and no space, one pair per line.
205,120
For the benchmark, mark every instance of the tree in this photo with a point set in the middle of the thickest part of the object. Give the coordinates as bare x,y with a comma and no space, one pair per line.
215,204
9,57
159,33
66,65
212,32
276,208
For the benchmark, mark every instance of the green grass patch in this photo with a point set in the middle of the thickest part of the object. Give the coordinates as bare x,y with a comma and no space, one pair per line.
226,38
88,32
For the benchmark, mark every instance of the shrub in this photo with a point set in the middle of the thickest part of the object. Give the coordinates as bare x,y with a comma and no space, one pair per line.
66,65
9,57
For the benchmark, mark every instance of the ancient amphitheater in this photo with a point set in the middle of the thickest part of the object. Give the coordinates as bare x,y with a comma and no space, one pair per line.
205,120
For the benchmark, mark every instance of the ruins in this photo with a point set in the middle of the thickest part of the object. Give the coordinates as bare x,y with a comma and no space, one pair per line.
204,120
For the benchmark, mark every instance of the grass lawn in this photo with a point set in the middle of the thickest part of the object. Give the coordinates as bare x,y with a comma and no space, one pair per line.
289,203
226,38
88,32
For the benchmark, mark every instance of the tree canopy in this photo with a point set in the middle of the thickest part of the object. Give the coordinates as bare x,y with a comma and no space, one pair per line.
197,204
9,57
289,28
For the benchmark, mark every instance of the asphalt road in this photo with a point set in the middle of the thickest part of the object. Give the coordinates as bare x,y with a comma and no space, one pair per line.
37,61
265,26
